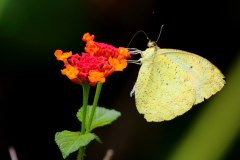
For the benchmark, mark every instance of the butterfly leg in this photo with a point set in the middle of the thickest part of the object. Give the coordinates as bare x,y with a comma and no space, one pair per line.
134,61
134,51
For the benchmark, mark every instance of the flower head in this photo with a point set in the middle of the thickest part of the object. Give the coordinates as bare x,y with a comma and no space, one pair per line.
99,61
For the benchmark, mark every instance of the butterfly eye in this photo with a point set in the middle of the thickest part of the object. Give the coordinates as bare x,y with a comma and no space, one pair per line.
151,44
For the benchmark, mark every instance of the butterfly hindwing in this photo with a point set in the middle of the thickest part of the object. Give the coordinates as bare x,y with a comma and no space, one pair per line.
206,78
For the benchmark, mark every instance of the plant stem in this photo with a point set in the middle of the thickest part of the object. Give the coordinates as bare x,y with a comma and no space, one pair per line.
86,89
95,101
81,153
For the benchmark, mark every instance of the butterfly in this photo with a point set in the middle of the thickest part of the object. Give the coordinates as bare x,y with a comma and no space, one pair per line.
171,81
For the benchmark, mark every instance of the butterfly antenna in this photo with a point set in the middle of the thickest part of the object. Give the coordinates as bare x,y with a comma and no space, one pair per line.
135,36
159,33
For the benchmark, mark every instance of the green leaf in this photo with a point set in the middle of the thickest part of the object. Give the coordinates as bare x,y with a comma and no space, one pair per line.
69,142
101,117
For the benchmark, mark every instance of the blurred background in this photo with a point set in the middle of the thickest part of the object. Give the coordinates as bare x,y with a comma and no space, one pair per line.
36,101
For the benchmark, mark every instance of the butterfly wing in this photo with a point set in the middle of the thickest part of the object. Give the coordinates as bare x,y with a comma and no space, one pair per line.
205,77
163,89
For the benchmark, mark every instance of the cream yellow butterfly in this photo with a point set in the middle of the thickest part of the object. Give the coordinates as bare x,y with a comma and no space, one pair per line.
171,81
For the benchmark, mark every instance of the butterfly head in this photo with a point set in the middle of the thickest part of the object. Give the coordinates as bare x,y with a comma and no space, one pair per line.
151,44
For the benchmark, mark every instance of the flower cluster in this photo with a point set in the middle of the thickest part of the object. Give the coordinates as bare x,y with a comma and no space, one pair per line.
99,61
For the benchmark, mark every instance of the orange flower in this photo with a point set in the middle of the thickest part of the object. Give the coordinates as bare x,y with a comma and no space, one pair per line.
70,71
123,53
117,64
91,48
87,37
95,77
62,56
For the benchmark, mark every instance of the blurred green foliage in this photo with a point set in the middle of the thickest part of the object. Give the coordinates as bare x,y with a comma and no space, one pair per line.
30,31
2,7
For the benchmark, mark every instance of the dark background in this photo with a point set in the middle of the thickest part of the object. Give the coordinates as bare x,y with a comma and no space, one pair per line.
36,101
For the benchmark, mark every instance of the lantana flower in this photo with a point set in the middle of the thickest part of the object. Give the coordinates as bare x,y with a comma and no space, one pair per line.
97,62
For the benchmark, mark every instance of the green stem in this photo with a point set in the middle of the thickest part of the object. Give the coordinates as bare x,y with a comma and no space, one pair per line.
86,89
95,102
81,153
